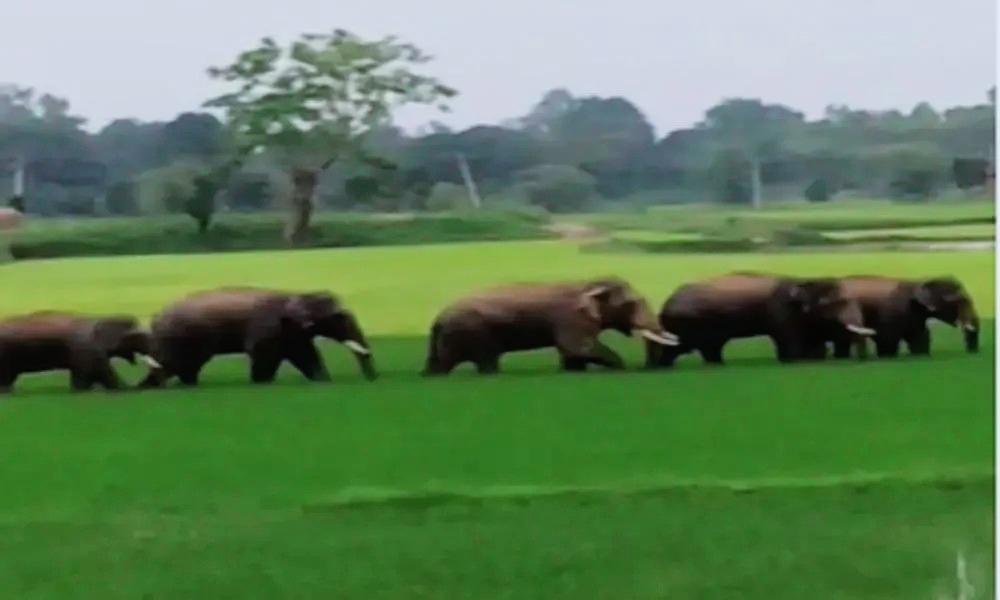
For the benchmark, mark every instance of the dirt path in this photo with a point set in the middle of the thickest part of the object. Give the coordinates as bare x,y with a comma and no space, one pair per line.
575,232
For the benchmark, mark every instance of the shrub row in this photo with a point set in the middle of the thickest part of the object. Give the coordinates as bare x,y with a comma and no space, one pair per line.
788,238
109,237
834,224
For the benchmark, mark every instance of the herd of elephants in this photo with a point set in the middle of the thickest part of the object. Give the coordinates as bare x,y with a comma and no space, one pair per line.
802,316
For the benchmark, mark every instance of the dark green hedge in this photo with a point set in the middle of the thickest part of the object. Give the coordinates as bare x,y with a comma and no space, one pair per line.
109,237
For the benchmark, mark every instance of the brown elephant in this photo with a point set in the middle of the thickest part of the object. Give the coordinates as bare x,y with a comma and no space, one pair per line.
268,325
708,314
568,316
899,310
51,340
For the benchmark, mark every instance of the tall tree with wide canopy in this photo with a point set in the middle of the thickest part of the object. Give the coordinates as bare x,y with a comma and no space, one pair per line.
757,130
313,102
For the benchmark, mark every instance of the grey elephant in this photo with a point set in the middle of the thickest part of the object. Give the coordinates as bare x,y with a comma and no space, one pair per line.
568,316
269,326
83,345
707,314
899,309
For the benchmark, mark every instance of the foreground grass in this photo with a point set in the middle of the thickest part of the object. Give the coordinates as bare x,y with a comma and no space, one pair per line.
397,291
755,480
891,541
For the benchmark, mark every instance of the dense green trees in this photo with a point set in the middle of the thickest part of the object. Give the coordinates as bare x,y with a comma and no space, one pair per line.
311,124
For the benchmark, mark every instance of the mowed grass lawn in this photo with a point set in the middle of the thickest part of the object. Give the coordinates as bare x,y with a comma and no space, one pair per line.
840,480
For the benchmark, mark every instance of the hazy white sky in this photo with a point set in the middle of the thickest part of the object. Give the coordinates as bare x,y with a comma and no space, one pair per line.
137,58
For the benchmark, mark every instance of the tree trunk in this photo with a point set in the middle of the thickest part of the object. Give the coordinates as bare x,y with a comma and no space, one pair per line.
755,183
304,183
470,183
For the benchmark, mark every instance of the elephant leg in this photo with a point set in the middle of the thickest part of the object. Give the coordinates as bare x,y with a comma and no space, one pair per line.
170,366
887,347
307,360
600,354
786,352
189,373
155,378
572,363
842,347
659,356
606,357
443,364
7,380
80,379
455,347
107,377
815,350
711,353
654,355
482,351
788,347
918,341
488,365
264,366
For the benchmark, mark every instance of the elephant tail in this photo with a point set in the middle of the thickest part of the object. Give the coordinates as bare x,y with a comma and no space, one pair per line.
433,355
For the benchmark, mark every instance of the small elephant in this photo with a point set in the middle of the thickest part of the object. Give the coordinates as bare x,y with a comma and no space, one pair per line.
568,316
899,310
51,340
708,314
268,325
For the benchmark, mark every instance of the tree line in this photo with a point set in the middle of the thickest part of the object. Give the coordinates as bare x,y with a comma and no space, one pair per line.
310,125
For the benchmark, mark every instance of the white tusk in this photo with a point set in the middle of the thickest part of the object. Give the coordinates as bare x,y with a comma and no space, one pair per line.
149,360
860,330
969,327
357,348
668,339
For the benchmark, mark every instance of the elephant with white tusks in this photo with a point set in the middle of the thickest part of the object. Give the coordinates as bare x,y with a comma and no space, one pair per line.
707,314
83,345
568,316
899,310
269,326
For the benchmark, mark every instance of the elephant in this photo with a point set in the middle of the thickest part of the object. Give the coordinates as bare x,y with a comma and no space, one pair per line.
84,345
270,326
899,310
709,313
566,315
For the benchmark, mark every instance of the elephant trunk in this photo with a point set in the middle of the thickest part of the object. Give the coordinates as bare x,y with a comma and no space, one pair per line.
852,318
968,320
356,343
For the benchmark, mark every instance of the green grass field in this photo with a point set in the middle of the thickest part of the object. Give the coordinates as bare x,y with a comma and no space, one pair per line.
756,480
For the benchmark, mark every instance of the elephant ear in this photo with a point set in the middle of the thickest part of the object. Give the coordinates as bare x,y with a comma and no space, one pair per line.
591,300
924,296
306,309
797,295
816,294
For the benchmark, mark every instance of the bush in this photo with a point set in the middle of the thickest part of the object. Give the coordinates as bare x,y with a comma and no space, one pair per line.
818,191
445,196
168,235
120,199
557,188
